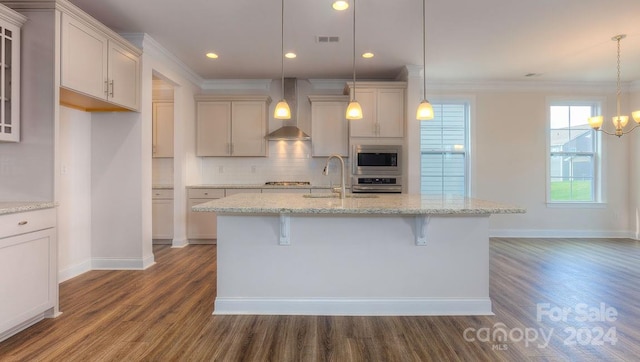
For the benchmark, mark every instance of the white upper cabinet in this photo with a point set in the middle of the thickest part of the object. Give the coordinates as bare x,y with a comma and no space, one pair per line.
98,65
10,24
382,109
329,127
163,129
231,125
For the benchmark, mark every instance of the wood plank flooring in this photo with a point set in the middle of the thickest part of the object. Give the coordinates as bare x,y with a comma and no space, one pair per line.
164,314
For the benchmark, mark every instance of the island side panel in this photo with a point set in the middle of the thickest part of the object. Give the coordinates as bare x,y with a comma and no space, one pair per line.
353,265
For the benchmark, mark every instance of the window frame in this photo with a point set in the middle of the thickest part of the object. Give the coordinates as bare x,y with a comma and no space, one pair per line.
469,103
597,191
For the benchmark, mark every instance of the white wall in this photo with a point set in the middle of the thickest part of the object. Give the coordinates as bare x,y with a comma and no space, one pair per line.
74,193
26,168
634,168
156,61
118,239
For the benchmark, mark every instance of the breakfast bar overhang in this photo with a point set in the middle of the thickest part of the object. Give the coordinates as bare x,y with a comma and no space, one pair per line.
400,254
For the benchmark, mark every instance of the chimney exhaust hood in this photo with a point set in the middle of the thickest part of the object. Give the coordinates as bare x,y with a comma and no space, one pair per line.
290,131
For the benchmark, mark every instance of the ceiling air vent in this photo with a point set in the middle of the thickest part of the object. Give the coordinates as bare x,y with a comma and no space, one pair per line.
327,39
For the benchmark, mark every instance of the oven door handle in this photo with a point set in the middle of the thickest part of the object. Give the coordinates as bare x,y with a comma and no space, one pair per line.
374,188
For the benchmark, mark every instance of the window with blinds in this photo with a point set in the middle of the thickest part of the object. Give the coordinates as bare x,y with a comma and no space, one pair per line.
444,147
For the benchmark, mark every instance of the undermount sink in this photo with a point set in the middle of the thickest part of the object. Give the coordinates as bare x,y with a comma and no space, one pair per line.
336,196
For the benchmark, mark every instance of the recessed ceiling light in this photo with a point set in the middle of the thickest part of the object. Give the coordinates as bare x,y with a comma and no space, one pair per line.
340,5
290,55
367,55
212,55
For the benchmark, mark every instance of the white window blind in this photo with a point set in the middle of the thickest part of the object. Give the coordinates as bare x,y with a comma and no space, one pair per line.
444,145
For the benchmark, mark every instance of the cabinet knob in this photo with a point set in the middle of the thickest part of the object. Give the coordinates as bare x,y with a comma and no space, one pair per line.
206,193
23,222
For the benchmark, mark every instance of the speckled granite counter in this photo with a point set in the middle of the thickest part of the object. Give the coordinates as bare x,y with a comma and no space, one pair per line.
257,186
15,206
401,204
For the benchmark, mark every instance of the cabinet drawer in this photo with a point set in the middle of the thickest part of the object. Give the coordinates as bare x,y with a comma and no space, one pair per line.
162,194
26,222
206,193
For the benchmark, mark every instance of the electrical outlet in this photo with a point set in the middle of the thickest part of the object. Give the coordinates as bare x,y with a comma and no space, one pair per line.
253,169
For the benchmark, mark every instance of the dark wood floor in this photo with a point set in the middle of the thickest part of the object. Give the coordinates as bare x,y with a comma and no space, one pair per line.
164,314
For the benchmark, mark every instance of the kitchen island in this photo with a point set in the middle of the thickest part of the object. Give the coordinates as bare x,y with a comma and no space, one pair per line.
395,254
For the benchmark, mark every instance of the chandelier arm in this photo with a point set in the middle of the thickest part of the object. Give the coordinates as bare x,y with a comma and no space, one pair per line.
603,131
631,130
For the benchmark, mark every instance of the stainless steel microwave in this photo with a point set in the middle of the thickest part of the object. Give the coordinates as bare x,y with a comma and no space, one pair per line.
378,160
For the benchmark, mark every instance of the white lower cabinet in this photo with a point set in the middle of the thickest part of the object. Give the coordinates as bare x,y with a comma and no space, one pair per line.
28,270
202,227
162,216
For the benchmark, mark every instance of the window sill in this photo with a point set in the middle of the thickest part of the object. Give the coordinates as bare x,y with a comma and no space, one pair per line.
577,205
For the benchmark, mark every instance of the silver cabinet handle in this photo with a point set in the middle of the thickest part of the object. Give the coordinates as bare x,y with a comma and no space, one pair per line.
23,222
106,87
111,85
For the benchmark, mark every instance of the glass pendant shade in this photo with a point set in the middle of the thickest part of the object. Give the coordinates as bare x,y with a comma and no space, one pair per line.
595,122
354,111
425,111
620,121
636,116
282,110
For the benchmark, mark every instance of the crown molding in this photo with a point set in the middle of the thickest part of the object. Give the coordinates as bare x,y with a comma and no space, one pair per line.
328,84
524,86
11,16
154,49
237,84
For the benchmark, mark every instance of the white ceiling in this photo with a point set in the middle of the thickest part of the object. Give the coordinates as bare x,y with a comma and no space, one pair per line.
467,40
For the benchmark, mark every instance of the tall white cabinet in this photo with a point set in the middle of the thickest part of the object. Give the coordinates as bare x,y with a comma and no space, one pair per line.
10,24
162,129
231,125
329,127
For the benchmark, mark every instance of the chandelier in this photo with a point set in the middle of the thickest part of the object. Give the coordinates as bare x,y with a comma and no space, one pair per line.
619,122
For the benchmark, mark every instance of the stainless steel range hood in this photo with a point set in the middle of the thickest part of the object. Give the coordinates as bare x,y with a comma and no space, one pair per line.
290,131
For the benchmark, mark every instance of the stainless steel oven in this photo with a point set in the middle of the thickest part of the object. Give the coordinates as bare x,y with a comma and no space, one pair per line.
376,160
376,185
376,169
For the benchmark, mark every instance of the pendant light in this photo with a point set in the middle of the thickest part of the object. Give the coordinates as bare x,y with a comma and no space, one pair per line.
354,111
619,122
282,110
425,110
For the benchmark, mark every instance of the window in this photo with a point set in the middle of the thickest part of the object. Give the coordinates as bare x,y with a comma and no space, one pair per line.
444,147
573,153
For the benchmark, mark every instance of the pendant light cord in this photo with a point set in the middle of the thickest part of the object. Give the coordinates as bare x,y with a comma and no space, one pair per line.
282,47
354,51
424,51
618,92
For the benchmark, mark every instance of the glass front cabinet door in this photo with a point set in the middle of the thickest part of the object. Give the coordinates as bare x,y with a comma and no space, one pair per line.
10,24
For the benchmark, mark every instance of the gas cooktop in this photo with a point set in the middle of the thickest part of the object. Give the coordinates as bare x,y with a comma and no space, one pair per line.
288,183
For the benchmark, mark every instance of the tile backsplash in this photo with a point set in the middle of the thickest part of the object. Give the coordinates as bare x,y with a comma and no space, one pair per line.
287,161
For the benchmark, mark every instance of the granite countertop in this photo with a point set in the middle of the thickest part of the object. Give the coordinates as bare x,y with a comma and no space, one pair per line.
17,206
258,186
401,204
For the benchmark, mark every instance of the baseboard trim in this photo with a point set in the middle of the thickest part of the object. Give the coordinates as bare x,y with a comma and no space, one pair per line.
74,270
523,233
179,243
121,264
354,307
